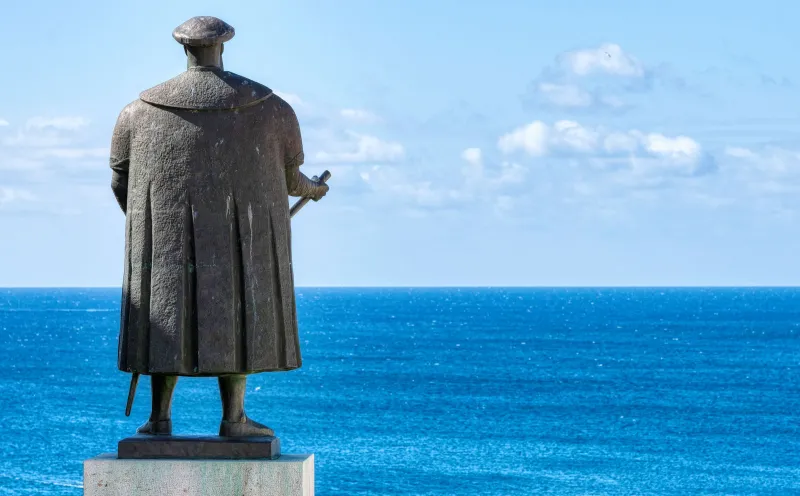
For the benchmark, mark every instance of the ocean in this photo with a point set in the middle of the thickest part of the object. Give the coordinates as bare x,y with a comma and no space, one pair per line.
448,391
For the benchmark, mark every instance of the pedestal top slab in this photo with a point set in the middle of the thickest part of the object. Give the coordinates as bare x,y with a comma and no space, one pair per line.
199,447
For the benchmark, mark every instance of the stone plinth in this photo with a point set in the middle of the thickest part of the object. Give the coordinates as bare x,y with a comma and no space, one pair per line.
208,447
289,475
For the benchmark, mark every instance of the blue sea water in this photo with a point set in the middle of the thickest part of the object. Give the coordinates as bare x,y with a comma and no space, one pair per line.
449,391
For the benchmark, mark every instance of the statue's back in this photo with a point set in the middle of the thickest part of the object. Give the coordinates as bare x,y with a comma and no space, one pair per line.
202,166
208,273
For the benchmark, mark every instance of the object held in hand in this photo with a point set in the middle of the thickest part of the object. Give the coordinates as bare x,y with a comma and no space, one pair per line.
302,202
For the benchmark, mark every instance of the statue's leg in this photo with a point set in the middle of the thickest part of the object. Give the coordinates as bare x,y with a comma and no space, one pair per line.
234,421
160,423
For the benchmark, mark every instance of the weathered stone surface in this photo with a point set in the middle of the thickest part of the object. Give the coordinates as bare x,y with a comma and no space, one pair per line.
202,166
203,31
290,475
199,447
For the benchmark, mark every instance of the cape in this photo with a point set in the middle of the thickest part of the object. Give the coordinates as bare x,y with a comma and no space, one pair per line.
207,88
208,286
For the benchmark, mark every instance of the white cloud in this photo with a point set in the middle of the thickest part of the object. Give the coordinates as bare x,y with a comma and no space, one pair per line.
573,96
620,143
367,149
531,138
424,188
770,162
678,149
644,152
612,101
570,83
570,134
566,95
3,123
53,159
510,173
608,58
37,139
360,116
740,153
396,182
73,153
473,171
13,195
57,123
472,156
680,155
46,132
44,146
477,180
20,163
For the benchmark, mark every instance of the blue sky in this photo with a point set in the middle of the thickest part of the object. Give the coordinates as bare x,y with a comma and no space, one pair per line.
471,143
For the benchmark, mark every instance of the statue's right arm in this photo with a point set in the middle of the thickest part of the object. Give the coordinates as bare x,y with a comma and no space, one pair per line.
297,183
120,159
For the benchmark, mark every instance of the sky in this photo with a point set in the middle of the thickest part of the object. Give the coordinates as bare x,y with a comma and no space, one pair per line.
471,143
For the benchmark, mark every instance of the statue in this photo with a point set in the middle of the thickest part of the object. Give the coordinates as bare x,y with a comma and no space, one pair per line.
202,168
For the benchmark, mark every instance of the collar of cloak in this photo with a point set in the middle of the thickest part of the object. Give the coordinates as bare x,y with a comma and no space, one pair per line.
205,88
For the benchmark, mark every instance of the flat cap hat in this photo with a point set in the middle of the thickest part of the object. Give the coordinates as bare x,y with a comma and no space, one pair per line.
203,31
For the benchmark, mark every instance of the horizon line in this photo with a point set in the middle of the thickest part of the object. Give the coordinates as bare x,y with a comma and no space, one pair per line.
476,286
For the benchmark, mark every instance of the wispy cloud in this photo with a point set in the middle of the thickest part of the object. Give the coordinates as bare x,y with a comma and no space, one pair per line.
4,123
767,80
364,149
359,116
473,156
399,184
768,163
73,153
566,95
477,179
10,195
590,78
58,123
44,147
608,58
477,184
46,132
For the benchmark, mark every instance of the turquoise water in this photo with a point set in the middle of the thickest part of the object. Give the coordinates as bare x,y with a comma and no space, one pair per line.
449,391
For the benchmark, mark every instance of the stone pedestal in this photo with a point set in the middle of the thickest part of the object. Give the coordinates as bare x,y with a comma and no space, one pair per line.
289,475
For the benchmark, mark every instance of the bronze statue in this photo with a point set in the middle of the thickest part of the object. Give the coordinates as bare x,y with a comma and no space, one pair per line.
202,167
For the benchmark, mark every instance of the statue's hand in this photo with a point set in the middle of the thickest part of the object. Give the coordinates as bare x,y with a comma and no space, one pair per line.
320,191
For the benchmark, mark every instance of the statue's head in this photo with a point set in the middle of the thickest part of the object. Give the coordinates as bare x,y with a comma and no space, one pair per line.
203,40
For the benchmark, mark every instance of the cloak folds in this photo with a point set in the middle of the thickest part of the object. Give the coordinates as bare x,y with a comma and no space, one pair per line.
208,285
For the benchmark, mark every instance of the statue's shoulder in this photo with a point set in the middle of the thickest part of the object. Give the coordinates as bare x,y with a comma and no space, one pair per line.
282,105
130,114
202,88
283,111
134,108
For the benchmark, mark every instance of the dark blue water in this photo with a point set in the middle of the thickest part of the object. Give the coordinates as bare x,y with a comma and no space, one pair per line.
448,391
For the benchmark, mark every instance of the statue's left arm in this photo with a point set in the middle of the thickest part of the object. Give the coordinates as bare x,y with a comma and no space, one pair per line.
120,159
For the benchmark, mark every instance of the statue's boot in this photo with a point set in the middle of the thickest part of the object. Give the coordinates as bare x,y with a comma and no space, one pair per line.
234,421
244,428
157,428
160,423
